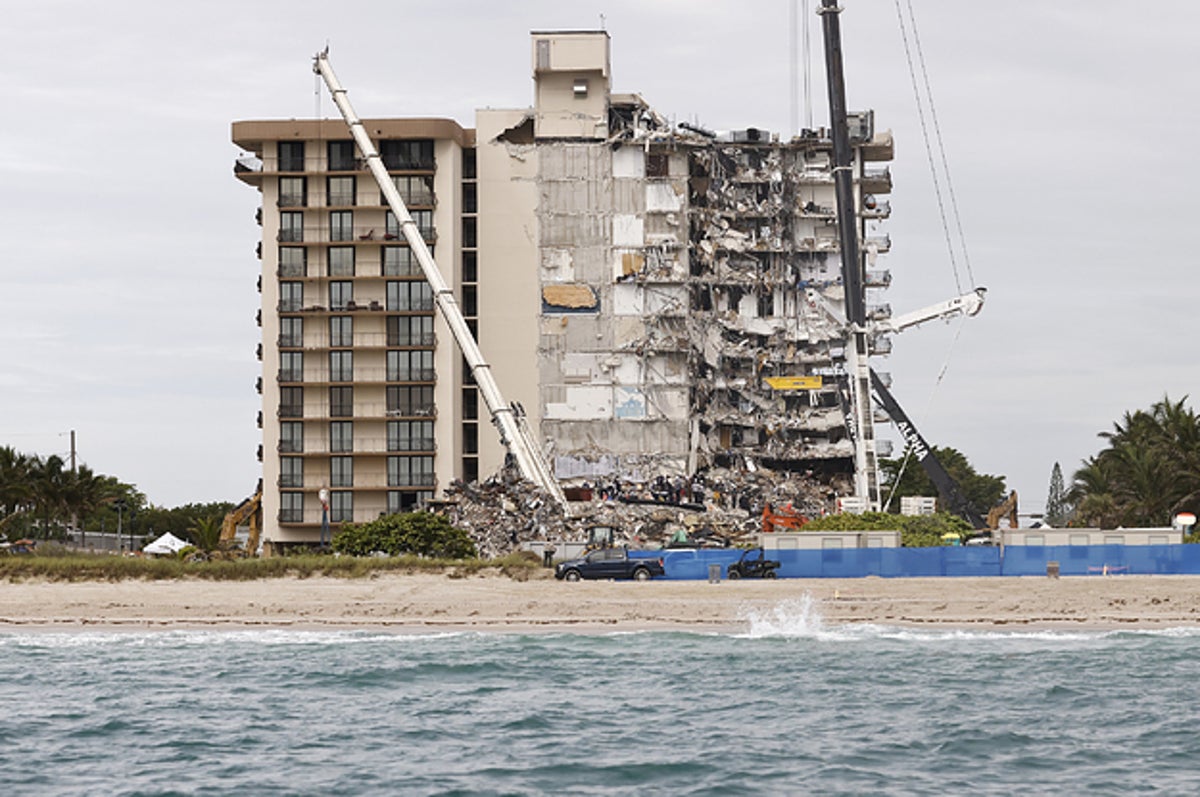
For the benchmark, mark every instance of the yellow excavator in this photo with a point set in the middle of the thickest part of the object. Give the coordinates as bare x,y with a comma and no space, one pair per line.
1006,508
247,513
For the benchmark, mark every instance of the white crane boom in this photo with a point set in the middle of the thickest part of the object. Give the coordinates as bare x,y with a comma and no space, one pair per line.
968,304
516,439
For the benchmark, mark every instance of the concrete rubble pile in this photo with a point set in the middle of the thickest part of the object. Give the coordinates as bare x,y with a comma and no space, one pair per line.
503,513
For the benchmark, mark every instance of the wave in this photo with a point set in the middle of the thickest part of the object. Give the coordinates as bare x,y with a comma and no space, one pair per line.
801,618
206,638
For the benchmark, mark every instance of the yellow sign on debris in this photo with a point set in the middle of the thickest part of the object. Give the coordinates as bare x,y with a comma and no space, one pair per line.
794,382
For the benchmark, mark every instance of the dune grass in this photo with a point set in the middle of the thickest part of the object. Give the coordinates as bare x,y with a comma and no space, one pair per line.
88,567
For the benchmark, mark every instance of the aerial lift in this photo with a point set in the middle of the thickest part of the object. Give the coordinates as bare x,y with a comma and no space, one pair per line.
860,378
508,419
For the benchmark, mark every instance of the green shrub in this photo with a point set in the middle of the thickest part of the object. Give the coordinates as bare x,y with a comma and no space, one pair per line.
923,531
419,533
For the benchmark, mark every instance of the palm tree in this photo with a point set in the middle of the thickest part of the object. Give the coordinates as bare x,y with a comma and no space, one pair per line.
1149,472
16,491
205,532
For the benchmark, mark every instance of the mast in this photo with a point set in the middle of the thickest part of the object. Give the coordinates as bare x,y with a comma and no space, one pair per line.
513,434
861,423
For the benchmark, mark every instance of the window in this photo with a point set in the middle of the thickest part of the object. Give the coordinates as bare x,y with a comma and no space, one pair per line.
410,330
291,332
341,330
470,438
291,507
410,435
469,227
399,261
1114,539
291,297
657,164
341,507
410,366
470,267
291,156
341,295
293,261
291,402
293,192
409,297
341,261
468,164
1078,539
341,436
470,199
291,366
407,501
340,191
580,88
341,366
341,156
414,190
412,154
410,472
470,300
341,471
291,226
470,469
341,402
470,404
1035,540
422,218
291,437
291,472
766,304
410,401
341,225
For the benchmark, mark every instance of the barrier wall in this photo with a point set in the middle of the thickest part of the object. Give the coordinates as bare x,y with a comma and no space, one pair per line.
692,564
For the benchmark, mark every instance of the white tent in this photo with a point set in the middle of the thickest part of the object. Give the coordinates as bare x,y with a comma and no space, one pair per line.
166,544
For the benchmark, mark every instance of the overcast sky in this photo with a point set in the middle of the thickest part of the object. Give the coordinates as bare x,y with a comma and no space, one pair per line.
127,246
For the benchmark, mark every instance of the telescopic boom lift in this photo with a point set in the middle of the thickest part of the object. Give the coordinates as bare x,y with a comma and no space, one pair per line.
508,420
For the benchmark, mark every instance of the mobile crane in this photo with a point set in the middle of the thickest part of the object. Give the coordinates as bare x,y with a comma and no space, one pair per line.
861,380
509,419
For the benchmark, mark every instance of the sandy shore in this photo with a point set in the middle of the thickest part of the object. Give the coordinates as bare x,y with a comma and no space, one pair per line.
425,602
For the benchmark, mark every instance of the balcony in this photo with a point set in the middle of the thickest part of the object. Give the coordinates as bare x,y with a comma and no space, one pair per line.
412,375
405,444
290,235
291,375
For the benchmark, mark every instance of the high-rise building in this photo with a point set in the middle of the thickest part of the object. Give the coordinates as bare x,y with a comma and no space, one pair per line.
660,299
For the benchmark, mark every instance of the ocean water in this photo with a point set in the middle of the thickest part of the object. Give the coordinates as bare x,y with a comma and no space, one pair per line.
787,705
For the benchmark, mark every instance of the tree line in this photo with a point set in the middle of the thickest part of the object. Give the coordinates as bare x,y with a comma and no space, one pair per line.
43,498
1148,473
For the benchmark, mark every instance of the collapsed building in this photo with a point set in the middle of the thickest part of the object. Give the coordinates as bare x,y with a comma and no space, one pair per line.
689,282
658,298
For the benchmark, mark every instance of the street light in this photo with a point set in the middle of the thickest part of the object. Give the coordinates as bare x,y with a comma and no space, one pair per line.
323,496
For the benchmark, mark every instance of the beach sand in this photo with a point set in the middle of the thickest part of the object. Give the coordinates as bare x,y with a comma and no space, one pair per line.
496,603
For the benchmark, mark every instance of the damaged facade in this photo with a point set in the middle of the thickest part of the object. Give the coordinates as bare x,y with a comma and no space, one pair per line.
690,282
660,299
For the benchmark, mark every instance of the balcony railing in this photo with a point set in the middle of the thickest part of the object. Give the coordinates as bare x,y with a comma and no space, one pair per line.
412,480
405,444
412,375
290,235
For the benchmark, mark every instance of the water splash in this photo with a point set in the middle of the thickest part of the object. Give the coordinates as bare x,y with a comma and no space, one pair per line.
799,617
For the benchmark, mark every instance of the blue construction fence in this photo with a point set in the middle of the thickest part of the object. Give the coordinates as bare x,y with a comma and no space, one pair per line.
1073,560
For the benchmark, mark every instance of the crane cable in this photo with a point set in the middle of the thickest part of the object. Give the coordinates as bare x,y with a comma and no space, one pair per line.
937,186
941,206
